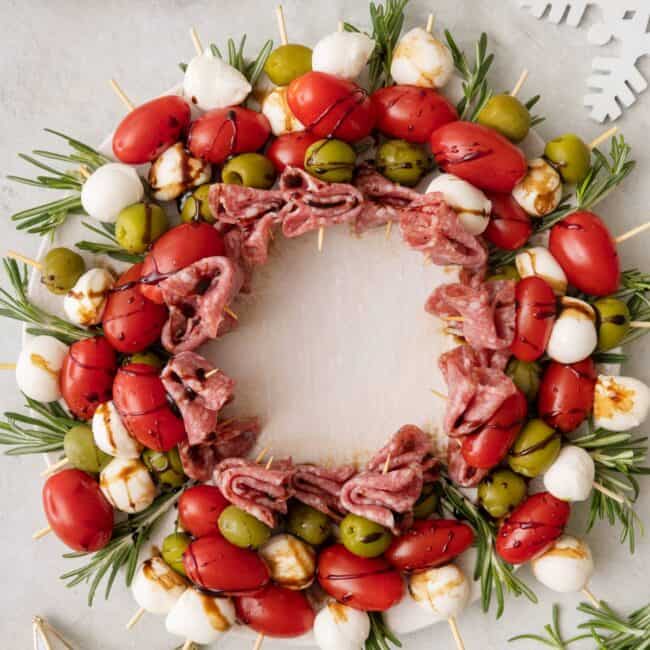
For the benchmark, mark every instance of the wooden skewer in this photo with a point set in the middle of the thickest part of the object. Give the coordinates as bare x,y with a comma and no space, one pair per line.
437,393
455,319
7,366
282,27
231,313
27,260
258,642
45,625
270,462
39,629
520,82
386,464
640,324
602,137
83,170
340,26
42,532
589,595
122,95
389,229
194,35
135,618
209,374
51,469
456,634
430,21
609,493
261,455
633,233
188,644
321,237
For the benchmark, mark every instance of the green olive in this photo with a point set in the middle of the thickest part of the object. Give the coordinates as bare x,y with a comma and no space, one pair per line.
242,529
195,206
311,525
507,115
501,492
139,225
570,156
526,377
61,269
287,62
506,272
613,322
364,537
331,160
535,449
249,169
82,452
403,162
426,505
166,467
148,358
173,547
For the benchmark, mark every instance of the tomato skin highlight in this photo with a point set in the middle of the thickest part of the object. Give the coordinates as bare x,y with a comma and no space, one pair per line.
428,544
368,584
77,511
532,527
199,508
536,312
586,251
411,113
509,227
566,394
487,448
86,378
478,155
330,107
213,563
289,150
276,612
150,129
131,322
141,400
225,132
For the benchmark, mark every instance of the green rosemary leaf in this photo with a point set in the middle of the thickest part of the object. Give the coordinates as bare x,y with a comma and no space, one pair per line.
110,247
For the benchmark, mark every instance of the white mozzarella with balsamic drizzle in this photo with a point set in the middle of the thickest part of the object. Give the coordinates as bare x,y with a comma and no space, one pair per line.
38,367
566,567
84,304
571,476
156,586
110,189
110,434
127,485
538,261
620,403
539,192
342,54
291,562
339,627
574,336
277,111
444,591
175,172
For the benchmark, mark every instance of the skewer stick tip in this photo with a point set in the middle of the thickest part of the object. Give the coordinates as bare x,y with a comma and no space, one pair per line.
456,633
282,27
42,532
437,393
188,644
84,171
7,366
23,258
386,464
261,455
633,233
321,236
340,26
640,324
258,642
268,465
122,95
135,618
590,596
194,35
231,313
520,82
430,21
55,467
603,137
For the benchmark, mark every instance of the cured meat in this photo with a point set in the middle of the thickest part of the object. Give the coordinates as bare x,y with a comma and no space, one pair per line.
261,492
313,204
237,204
475,391
431,226
459,471
320,488
487,312
197,297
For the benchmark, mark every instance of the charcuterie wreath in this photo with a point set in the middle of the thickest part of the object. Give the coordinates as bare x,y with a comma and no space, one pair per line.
288,144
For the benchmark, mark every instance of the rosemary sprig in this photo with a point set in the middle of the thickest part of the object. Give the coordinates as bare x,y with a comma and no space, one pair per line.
491,570
534,119
553,638
19,307
112,248
380,635
623,633
123,549
387,21
45,218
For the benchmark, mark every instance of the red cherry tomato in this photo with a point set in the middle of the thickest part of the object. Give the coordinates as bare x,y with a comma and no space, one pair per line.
429,544
411,113
176,249
491,444
532,527
131,322
87,373
566,394
478,155
77,511
225,132
331,107
199,508
368,584
289,150
141,400
276,612
536,311
586,250
213,563
509,227
150,129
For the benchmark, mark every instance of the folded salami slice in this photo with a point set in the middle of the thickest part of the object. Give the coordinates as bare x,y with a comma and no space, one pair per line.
311,203
320,488
237,204
475,391
261,492
487,312
459,471
197,297
431,226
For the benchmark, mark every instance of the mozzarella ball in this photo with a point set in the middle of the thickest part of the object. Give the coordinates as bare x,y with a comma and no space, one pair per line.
84,304
276,109
211,83
156,586
127,485
471,205
620,403
566,567
38,367
110,189
110,434
539,192
444,591
200,618
422,60
539,261
342,54
571,476
291,562
574,336
339,627
175,172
